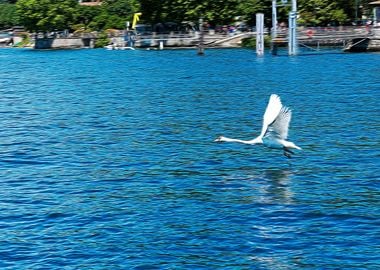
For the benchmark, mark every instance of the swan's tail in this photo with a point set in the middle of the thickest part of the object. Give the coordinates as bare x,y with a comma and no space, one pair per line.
291,145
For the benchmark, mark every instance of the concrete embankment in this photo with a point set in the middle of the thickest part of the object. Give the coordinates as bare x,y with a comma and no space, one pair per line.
374,45
64,42
350,39
146,41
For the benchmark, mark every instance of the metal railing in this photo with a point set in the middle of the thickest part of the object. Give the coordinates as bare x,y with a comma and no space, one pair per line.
333,32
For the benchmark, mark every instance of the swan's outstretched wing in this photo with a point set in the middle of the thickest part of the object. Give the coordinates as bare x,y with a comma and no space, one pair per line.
279,128
271,112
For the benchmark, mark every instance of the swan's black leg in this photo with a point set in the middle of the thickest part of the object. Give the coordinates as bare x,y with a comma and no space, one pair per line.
288,152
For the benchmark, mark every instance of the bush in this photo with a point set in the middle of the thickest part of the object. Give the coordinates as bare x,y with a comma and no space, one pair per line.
102,40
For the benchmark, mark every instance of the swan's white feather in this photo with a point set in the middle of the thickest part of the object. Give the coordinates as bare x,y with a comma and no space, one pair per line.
273,109
280,126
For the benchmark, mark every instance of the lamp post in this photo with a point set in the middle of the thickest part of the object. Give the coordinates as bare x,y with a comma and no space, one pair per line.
292,43
260,34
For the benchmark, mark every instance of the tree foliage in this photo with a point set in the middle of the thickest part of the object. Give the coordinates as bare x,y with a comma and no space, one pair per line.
311,12
321,12
215,11
48,15
114,14
8,15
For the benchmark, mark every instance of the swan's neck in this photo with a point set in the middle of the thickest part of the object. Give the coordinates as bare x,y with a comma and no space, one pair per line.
257,140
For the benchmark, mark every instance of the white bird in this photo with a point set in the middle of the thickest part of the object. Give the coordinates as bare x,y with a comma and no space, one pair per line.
275,128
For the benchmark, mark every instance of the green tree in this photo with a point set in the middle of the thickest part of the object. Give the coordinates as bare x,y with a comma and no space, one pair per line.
121,8
215,11
85,15
249,8
115,14
47,15
107,21
111,14
8,16
321,12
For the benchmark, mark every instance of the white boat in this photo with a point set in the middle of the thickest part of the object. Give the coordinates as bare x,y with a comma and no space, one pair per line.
113,47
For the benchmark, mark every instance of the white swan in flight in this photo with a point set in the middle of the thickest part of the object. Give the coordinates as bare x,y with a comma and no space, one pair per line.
275,128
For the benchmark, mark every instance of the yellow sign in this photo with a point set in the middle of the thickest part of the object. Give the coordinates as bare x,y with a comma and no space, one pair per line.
136,18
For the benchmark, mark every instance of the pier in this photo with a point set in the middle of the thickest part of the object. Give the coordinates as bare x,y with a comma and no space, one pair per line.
351,38
171,40
313,38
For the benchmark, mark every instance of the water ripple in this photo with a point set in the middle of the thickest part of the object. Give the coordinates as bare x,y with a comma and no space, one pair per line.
113,165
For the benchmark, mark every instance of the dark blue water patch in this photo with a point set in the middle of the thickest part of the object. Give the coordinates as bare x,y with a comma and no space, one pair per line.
16,162
114,165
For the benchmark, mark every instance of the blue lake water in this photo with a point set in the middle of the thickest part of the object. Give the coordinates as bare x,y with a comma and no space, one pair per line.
108,161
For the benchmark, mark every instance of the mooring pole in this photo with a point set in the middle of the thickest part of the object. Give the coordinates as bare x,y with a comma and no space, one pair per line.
292,43
260,34
201,38
274,19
